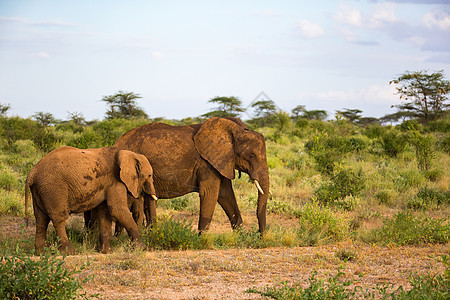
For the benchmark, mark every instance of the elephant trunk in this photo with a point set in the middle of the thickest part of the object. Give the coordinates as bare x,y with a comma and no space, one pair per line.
149,189
263,195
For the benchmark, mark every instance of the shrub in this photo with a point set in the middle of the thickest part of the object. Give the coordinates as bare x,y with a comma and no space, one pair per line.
319,225
45,278
344,183
427,198
87,139
385,196
335,287
10,203
349,202
445,144
9,180
171,234
405,229
177,204
424,149
393,143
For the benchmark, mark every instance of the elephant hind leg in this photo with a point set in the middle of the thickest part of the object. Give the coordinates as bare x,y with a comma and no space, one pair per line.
60,228
42,221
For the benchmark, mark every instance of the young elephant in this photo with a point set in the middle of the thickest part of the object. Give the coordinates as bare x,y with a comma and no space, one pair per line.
70,180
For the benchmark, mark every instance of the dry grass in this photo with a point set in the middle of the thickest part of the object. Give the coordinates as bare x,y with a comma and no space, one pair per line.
227,274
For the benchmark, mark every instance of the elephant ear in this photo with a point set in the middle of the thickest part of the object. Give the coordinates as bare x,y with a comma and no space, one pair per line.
129,171
214,142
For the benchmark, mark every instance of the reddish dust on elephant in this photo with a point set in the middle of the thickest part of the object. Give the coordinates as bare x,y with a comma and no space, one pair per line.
70,180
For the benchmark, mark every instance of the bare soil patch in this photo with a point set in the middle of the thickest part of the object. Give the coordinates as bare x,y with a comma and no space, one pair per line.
227,274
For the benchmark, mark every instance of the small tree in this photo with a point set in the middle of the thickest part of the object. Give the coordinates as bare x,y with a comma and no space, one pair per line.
300,112
425,95
264,108
44,118
123,105
350,114
228,107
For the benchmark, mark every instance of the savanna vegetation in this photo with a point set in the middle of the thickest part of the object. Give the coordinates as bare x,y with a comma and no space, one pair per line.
341,180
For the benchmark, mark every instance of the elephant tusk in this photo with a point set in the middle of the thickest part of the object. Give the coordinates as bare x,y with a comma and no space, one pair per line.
259,187
154,197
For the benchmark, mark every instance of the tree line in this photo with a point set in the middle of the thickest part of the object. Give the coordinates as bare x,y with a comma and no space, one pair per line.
424,98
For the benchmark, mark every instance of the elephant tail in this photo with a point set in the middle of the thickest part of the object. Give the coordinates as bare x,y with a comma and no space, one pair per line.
28,184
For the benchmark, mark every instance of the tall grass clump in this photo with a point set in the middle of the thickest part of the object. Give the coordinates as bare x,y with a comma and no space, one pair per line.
424,149
335,287
393,143
171,234
428,198
406,229
319,225
22,277
342,189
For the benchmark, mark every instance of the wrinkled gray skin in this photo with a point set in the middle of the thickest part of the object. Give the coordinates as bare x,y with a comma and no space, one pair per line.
202,158
70,180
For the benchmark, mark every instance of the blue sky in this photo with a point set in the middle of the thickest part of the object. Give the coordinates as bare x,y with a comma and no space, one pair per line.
64,56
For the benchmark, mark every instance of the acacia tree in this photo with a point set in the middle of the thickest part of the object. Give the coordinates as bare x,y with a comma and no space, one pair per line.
228,107
123,105
301,112
44,118
350,114
425,95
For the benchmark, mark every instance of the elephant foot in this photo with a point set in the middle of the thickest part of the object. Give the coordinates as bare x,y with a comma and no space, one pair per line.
139,245
67,249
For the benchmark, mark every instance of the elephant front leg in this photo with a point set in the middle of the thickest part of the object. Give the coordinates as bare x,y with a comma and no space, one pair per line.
118,208
150,210
227,200
209,193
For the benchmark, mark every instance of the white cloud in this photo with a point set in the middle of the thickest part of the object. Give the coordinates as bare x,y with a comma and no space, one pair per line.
384,14
269,13
309,29
373,100
437,20
157,55
40,55
349,16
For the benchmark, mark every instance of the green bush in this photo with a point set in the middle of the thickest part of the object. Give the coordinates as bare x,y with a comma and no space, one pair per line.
393,143
9,180
335,287
405,229
385,196
171,234
445,144
177,204
429,286
45,278
319,225
10,204
344,183
424,149
427,198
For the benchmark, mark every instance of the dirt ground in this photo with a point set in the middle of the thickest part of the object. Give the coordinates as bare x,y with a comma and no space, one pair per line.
228,274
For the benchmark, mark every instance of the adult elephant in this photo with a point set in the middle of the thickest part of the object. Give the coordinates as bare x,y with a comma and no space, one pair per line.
202,158
70,180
